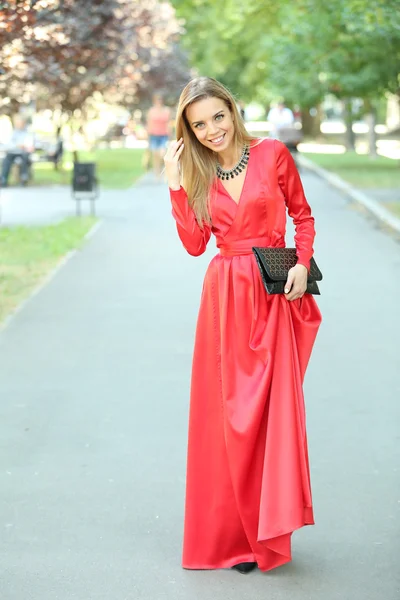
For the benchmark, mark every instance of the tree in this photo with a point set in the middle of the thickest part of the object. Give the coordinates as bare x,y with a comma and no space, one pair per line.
300,50
54,47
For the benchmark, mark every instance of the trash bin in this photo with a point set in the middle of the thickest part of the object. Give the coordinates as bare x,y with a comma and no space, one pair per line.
84,184
84,177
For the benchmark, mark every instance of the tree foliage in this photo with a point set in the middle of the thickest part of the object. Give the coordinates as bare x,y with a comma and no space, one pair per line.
62,51
301,50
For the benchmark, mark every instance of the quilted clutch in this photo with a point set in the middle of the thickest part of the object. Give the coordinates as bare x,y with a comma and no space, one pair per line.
274,265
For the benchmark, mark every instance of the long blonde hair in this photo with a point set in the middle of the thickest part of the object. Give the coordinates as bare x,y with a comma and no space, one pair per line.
198,163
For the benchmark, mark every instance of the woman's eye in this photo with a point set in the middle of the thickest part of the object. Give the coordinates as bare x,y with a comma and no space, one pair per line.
219,117
199,125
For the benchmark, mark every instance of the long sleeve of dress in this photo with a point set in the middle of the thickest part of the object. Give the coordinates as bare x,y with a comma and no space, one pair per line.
298,207
193,237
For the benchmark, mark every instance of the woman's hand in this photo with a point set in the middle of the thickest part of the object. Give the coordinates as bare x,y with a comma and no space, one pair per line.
171,160
296,283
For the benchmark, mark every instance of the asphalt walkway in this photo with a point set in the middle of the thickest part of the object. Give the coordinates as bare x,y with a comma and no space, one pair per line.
94,385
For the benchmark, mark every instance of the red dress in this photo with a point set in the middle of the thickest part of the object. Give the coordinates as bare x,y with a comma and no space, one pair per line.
248,483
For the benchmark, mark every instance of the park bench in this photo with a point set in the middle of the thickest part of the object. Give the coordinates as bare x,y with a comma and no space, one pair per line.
55,157
38,156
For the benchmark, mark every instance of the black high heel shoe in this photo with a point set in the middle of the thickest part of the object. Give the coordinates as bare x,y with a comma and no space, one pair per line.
245,567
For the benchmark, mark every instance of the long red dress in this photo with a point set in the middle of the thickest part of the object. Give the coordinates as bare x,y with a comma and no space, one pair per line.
248,483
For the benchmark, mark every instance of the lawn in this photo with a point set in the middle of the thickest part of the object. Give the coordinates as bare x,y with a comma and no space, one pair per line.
116,168
360,170
394,207
28,254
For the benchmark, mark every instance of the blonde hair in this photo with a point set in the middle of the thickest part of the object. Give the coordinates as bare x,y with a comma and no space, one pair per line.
198,163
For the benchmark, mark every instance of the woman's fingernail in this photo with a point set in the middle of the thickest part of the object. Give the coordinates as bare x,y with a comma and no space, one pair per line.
286,291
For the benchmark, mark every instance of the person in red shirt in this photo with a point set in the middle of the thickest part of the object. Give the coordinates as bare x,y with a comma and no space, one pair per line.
248,482
158,130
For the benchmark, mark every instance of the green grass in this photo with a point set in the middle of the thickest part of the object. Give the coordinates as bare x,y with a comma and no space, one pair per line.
28,254
360,170
116,168
394,207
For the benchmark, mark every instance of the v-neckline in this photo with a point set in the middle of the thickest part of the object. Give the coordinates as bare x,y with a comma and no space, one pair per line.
243,186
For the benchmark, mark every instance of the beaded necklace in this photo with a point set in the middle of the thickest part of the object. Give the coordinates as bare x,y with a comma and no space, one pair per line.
238,168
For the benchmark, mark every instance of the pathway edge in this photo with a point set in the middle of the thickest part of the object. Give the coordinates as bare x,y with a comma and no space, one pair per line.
48,278
371,205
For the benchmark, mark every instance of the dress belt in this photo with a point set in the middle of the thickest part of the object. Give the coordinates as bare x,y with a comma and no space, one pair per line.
241,247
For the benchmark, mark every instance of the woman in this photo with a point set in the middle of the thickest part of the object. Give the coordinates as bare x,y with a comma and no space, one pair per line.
158,119
248,485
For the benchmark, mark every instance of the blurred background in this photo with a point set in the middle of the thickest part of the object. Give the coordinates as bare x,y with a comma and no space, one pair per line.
82,76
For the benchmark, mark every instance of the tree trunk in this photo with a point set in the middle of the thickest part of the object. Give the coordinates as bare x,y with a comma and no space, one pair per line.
350,141
370,118
311,123
73,128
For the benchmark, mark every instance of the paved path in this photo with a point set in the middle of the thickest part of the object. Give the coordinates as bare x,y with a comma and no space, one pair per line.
94,377
35,206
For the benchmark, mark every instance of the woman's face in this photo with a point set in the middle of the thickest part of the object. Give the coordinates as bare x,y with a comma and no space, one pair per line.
212,123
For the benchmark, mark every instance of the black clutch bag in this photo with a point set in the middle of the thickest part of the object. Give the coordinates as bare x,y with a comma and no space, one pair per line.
274,265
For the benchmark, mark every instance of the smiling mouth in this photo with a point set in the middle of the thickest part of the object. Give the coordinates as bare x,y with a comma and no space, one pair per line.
218,139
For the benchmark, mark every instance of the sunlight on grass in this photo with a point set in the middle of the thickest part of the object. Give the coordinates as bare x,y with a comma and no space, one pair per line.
116,168
360,170
394,207
316,148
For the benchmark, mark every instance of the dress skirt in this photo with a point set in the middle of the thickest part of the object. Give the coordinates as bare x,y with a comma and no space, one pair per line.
248,481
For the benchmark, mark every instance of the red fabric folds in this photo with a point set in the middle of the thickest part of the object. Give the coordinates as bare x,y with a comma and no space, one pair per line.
248,483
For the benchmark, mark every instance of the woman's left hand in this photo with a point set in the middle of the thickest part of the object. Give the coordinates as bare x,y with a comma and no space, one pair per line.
296,283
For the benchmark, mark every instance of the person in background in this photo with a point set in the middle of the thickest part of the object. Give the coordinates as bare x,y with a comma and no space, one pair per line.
20,146
158,130
283,128
280,117
297,114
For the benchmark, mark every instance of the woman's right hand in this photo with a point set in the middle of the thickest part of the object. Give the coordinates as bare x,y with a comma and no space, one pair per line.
171,160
